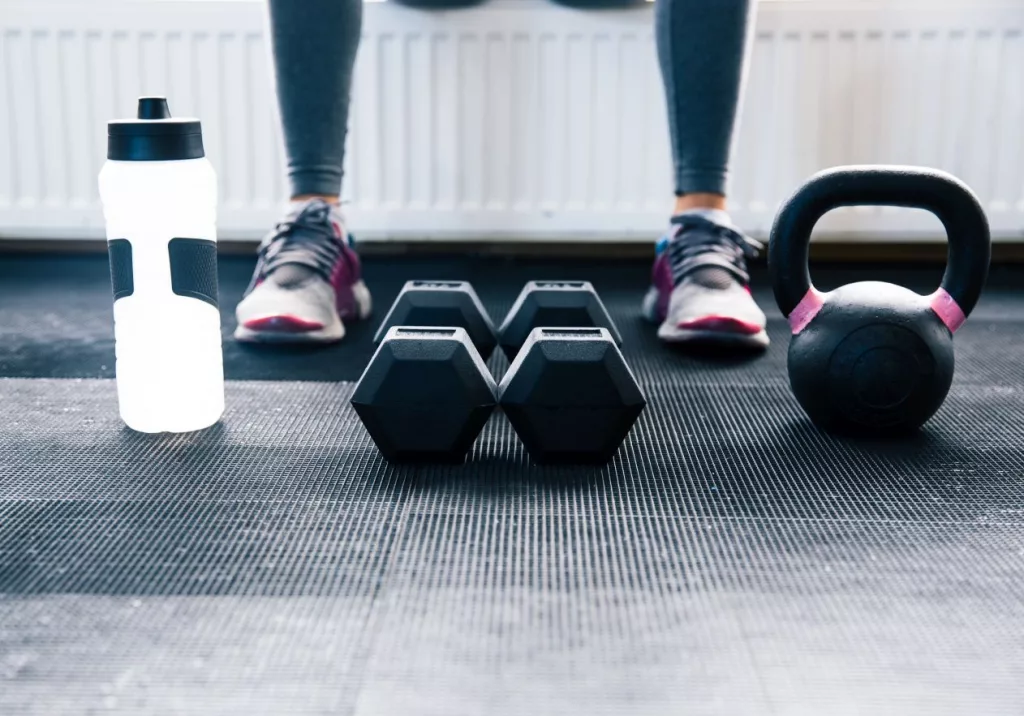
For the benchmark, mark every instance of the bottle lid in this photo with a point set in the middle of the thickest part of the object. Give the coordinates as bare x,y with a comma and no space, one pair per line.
154,136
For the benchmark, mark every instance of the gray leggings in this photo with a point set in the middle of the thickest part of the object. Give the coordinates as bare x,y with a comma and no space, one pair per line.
701,49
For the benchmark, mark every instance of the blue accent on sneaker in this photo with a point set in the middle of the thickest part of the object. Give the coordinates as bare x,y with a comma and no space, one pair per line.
662,244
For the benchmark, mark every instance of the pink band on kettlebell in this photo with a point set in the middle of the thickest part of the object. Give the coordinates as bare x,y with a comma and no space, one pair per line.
947,309
807,309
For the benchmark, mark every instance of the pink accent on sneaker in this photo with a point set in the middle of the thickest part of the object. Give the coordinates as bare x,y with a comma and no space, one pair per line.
661,278
284,323
947,309
344,275
806,310
342,279
721,324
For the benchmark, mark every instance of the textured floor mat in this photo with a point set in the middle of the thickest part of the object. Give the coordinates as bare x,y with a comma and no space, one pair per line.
730,560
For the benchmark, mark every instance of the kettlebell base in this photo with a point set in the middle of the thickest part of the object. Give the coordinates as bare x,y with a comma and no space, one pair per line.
850,429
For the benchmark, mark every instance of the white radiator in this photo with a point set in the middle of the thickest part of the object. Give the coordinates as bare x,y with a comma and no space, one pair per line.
517,119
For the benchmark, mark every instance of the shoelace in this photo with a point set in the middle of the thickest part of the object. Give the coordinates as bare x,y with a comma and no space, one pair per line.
307,239
707,245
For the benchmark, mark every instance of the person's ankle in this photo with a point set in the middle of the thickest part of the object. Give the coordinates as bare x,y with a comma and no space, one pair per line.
329,198
699,200
707,206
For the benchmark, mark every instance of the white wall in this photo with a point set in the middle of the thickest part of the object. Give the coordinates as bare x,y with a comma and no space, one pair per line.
517,119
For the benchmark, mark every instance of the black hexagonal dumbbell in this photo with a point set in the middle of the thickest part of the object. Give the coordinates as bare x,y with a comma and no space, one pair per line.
570,395
425,395
442,303
553,304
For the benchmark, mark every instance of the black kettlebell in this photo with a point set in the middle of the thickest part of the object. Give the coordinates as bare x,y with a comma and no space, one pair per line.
871,357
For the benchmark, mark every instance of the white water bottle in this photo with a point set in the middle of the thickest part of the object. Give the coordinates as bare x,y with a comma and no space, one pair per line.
159,197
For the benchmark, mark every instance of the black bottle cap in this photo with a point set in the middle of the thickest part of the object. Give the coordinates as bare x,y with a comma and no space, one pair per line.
154,108
155,136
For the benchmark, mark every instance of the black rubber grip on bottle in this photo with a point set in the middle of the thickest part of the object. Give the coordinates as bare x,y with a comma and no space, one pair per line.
194,268
122,279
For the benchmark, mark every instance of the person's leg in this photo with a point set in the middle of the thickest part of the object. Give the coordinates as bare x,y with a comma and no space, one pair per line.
700,277
308,278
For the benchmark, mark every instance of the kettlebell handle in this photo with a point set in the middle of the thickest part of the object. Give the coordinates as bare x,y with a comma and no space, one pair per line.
942,194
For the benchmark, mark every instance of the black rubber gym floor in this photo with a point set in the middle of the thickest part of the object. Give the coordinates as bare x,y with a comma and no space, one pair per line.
730,560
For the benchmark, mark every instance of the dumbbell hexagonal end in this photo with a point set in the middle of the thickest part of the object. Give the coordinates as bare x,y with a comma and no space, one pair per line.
425,395
442,303
570,395
569,304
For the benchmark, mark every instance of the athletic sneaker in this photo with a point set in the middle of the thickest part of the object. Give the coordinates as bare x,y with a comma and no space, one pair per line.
308,280
699,291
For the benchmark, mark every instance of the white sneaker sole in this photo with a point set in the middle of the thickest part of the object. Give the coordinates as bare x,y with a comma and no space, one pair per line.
331,333
669,333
